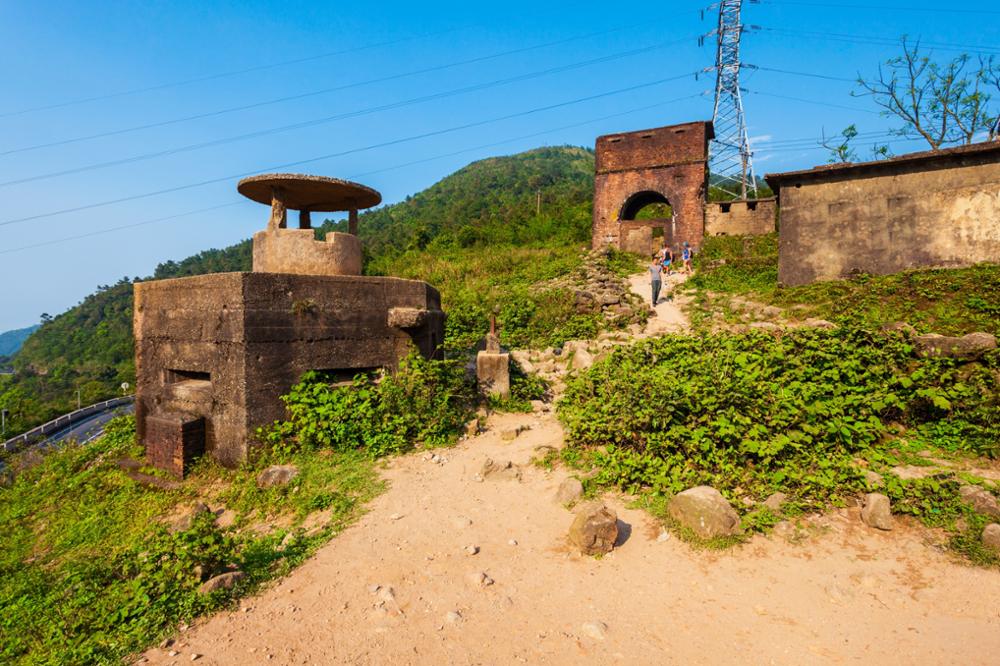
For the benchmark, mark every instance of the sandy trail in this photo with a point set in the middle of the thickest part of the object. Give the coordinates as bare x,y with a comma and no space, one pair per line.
669,317
846,594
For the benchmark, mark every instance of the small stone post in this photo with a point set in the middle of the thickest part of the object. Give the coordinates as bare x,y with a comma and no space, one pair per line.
493,365
305,219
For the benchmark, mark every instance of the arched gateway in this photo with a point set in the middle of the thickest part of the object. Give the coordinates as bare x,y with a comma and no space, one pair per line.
664,165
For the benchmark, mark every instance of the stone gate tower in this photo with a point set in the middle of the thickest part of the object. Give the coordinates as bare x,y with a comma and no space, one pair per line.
665,165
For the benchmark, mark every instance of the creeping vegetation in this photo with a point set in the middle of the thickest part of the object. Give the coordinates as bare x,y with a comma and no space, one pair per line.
806,413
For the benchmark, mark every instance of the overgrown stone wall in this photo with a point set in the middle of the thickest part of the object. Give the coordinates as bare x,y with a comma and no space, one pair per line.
740,218
932,209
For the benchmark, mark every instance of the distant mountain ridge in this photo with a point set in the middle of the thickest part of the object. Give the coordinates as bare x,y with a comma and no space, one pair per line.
11,341
539,194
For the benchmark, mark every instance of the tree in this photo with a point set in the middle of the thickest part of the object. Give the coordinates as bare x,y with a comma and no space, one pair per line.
841,152
943,103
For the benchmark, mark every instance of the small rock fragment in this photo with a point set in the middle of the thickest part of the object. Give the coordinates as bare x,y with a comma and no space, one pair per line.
500,470
453,617
596,630
460,522
471,550
480,579
877,511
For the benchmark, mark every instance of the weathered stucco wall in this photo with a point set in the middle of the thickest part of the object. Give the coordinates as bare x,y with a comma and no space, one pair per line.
931,210
226,346
668,162
740,218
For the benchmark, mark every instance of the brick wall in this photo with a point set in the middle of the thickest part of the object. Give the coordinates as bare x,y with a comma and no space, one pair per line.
670,161
740,218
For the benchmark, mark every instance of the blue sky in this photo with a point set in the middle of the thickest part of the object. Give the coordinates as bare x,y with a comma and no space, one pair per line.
182,56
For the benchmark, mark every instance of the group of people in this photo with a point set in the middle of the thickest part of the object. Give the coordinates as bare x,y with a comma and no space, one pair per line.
663,262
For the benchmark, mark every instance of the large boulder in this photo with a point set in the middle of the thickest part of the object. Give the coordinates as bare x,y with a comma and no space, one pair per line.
276,475
983,501
967,347
877,511
705,511
594,530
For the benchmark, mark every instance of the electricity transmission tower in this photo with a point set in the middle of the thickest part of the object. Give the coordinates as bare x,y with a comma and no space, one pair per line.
729,158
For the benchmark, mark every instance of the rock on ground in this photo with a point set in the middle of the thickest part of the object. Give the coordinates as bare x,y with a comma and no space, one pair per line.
991,537
775,502
594,530
705,511
500,470
224,581
570,490
967,347
276,475
981,500
877,511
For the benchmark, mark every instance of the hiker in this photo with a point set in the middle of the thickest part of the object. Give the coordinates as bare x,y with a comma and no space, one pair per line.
686,257
655,270
667,258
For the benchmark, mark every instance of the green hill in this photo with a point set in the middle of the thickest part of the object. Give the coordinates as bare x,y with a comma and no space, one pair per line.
11,341
539,197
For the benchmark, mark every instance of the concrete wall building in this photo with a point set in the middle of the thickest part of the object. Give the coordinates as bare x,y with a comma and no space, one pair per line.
665,165
929,209
214,353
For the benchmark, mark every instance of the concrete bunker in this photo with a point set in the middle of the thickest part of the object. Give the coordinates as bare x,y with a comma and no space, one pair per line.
635,170
214,353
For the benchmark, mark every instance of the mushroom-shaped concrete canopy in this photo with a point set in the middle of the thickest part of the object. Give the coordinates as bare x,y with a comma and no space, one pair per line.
313,193
305,194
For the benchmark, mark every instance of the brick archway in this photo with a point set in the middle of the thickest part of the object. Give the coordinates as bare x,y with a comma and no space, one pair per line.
664,164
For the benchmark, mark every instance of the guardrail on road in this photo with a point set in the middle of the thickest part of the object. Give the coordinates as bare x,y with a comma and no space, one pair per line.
39,433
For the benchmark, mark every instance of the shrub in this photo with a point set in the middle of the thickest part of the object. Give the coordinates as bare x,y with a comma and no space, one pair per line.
751,414
424,402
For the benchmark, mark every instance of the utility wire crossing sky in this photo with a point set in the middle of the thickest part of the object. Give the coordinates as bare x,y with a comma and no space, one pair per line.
119,126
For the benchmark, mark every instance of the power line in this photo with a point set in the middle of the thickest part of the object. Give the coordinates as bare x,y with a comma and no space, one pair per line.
880,7
352,151
341,116
813,101
312,93
65,239
809,74
222,75
880,41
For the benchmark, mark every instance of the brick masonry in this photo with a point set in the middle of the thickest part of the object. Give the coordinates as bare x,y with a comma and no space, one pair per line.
659,165
741,218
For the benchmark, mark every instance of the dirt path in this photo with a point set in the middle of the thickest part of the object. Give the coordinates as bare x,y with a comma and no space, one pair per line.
845,594
670,317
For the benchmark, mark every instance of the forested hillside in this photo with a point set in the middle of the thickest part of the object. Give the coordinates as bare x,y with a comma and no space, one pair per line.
540,197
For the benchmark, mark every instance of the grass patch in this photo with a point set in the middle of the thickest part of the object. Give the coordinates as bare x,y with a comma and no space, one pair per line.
947,301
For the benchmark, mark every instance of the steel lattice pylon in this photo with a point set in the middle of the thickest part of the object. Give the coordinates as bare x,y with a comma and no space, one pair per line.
730,160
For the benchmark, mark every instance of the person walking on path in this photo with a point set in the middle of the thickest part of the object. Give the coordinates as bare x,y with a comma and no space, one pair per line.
655,271
667,257
686,257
